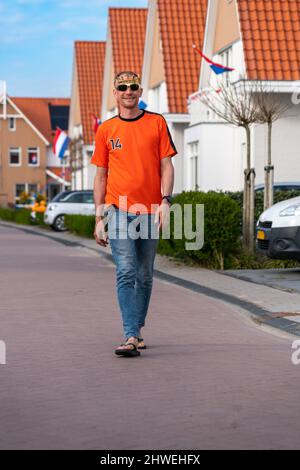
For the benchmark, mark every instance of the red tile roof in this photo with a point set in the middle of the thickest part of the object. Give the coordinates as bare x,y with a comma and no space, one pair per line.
90,56
182,24
37,111
271,38
128,29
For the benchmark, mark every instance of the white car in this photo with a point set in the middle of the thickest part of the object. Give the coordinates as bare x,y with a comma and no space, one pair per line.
278,230
68,202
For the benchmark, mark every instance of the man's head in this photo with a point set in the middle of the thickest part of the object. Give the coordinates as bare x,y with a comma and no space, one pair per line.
127,89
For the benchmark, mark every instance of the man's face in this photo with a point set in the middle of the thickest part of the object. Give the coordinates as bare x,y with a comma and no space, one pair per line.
127,98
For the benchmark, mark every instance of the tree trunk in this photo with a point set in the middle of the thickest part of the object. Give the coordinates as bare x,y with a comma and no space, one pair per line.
245,210
248,198
269,172
251,210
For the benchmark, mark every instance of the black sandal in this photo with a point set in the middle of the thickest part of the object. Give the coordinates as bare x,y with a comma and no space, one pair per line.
128,352
141,347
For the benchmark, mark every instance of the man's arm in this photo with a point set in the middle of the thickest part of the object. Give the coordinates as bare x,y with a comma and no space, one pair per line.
100,182
167,183
167,176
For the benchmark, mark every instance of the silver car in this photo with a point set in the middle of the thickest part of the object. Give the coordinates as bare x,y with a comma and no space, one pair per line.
68,202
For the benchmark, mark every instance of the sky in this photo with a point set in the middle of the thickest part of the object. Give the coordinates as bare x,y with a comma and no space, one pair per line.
37,41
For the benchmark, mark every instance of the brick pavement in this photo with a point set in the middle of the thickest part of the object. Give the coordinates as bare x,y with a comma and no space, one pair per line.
210,378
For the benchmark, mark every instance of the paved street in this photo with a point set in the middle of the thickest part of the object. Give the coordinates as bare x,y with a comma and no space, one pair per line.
210,379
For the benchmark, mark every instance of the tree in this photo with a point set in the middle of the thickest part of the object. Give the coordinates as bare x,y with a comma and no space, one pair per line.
270,110
236,104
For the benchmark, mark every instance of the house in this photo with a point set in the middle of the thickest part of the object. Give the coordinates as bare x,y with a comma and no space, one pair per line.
260,39
171,68
27,163
86,99
126,31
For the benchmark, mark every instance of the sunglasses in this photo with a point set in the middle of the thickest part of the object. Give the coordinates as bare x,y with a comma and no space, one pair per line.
132,86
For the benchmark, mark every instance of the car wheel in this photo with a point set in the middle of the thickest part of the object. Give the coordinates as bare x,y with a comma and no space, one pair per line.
59,223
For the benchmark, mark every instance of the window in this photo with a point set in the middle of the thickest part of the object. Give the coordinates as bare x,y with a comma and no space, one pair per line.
59,116
20,188
32,189
29,188
15,156
88,198
193,150
226,58
33,156
61,196
76,198
12,124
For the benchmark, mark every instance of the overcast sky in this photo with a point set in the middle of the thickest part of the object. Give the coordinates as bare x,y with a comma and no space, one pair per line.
37,37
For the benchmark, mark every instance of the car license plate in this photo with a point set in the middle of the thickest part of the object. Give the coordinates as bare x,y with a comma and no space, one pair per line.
260,235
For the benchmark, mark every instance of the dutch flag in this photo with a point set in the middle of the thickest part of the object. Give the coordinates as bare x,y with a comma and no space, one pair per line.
60,144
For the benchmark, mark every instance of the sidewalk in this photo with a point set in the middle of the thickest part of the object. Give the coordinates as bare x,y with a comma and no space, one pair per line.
269,306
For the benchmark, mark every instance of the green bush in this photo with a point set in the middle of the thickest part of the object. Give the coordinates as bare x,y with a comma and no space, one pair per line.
21,216
221,229
82,225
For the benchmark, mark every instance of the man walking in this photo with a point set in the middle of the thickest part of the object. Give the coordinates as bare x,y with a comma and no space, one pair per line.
132,193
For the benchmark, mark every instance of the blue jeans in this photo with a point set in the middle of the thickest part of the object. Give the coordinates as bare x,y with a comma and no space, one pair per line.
133,240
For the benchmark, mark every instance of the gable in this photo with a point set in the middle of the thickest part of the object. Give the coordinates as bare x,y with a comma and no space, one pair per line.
9,109
227,26
157,74
90,56
111,102
75,115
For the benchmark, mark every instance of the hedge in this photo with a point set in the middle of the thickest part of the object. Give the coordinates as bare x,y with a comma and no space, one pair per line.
221,229
82,225
21,216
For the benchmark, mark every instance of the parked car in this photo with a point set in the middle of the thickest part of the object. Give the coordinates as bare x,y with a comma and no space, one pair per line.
278,230
284,186
68,202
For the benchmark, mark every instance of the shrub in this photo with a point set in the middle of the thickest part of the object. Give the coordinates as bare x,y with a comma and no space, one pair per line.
81,224
221,229
20,216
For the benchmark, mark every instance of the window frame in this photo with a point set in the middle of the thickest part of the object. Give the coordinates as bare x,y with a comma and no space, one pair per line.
38,156
26,186
12,119
226,60
20,156
19,184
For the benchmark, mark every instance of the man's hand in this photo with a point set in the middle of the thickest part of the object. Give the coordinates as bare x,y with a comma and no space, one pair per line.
100,234
162,214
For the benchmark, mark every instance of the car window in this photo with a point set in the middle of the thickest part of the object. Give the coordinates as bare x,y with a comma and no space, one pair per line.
61,196
88,198
75,198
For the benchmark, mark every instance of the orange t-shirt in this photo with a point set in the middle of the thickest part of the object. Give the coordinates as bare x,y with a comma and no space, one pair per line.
132,150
